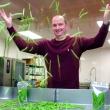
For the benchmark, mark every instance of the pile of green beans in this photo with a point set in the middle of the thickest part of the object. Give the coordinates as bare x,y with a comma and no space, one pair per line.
13,105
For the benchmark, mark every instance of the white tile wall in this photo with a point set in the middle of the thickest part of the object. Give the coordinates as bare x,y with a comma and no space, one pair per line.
99,59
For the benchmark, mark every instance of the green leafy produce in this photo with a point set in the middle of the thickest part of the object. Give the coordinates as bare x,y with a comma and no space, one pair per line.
22,95
2,26
24,49
52,3
8,104
13,105
26,21
103,9
77,32
5,5
55,4
82,13
16,14
103,1
98,101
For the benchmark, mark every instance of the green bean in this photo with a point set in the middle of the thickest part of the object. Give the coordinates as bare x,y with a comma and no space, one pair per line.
16,14
5,5
40,106
82,13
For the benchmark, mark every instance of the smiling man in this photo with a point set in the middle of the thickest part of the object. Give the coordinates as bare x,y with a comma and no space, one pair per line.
59,27
63,52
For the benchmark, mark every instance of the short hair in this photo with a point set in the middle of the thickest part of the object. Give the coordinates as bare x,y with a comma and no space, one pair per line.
63,16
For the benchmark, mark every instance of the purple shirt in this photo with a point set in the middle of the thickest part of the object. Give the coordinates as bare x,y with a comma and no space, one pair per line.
62,57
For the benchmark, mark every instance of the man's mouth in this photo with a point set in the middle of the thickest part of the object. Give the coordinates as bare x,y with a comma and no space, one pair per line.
58,31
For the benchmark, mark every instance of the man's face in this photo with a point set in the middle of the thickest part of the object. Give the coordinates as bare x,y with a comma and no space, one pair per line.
58,26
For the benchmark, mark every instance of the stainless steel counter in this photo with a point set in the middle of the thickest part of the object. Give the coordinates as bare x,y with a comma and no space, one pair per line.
76,96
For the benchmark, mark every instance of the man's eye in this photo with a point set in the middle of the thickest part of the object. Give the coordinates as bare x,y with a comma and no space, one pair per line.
60,24
54,25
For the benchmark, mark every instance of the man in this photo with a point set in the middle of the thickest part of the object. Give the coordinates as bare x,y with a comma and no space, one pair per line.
62,53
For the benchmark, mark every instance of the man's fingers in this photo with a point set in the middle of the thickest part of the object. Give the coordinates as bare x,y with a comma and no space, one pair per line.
2,12
107,6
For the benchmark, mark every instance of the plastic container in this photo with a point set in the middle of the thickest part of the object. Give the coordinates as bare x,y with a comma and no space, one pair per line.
22,91
98,95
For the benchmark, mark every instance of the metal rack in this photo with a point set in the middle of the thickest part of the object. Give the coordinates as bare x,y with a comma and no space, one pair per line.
35,70
34,73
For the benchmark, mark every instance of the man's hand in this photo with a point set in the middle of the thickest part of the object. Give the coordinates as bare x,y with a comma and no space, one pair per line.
7,19
106,17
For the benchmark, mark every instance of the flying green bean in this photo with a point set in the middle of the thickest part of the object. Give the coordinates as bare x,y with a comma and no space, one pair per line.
5,5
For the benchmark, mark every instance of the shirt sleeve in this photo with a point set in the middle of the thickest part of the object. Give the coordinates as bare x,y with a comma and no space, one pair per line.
94,42
31,46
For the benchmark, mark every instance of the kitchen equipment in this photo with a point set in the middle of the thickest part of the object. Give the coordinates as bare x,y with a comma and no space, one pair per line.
11,71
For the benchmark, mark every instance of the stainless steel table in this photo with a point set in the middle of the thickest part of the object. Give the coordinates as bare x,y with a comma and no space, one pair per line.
76,96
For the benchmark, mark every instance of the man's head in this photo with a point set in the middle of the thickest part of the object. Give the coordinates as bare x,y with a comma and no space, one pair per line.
59,26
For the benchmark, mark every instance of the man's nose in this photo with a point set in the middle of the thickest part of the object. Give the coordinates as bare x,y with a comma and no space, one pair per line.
57,27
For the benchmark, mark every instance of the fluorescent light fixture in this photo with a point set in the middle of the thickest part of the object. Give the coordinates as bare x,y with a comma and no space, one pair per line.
30,34
82,59
100,24
109,41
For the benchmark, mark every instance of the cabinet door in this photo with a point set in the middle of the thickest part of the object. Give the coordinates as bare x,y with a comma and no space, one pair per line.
18,71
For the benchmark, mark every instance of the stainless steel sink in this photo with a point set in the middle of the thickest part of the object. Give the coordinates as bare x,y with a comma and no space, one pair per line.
85,85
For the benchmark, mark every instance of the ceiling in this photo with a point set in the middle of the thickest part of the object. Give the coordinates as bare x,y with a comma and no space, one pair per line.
43,10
